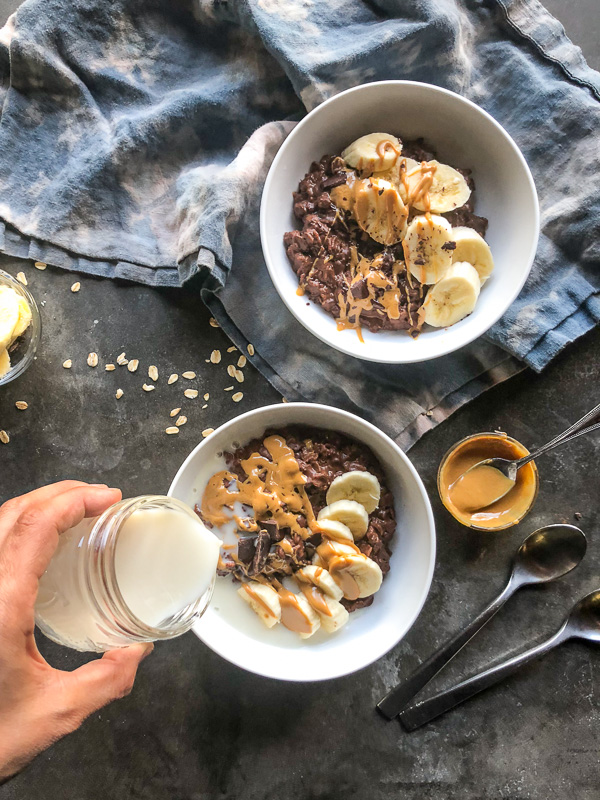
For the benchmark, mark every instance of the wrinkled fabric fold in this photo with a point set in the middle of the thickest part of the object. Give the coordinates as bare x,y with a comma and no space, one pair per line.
135,138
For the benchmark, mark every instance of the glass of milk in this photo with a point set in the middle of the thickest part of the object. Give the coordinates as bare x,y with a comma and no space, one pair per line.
143,570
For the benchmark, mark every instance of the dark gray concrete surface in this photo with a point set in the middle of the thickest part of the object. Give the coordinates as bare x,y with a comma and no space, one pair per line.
197,728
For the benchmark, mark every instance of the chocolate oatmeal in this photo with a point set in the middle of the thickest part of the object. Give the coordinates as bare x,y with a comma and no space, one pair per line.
356,253
277,531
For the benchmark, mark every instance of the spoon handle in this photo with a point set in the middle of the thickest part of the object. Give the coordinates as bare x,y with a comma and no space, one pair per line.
576,429
427,710
393,703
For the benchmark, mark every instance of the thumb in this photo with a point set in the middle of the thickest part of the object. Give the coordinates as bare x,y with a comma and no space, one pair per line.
109,678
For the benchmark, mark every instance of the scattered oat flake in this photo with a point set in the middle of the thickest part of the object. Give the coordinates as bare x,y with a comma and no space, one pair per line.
109,367
67,364
147,387
242,360
207,432
153,372
21,405
174,412
237,397
215,356
4,437
21,278
122,360
119,394
191,393
239,376
181,420
229,388
92,360
189,375
213,322
250,349
172,378
205,405
284,400
231,370
206,396
232,349
76,286
133,365
40,265
171,430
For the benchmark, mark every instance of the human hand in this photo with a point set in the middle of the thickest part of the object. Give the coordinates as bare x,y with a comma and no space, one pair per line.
39,704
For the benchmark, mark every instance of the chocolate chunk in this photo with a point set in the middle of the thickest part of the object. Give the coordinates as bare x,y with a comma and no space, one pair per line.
246,548
263,545
360,290
334,180
314,540
272,528
449,246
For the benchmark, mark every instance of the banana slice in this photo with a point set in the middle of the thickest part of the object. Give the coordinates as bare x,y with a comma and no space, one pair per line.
474,249
437,187
263,600
350,513
298,615
332,614
9,315
4,362
397,173
426,249
337,531
356,575
318,561
380,211
356,485
453,297
372,153
24,320
319,577
330,549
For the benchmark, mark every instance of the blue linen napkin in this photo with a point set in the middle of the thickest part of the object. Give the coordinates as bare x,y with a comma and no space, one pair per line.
135,137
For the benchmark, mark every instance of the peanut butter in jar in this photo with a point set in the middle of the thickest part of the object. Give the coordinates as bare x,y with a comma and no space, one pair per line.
505,512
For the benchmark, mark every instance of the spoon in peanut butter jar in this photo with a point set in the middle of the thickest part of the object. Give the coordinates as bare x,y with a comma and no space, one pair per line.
491,479
546,555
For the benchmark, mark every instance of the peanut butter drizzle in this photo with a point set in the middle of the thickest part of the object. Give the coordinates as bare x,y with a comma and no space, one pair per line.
326,550
274,489
343,579
316,599
420,191
292,614
257,599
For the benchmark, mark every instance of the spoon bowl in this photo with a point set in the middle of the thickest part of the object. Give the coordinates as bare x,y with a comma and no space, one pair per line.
584,620
548,554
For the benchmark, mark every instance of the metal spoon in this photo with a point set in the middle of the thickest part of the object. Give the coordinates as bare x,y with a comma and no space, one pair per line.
583,622
510,468
545,555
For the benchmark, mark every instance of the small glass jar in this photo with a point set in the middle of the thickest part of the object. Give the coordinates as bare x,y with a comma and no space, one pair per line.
80,601
23,350
518,501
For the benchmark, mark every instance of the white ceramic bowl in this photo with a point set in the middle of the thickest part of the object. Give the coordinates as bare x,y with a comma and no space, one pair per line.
233,631
463,135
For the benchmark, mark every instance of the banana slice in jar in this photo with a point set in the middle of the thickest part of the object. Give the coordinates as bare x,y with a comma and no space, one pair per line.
453,297
379,210
356,575
319,577
263,600
4,362
427,247
348,512
436,187
474,249
356,485
9,315
372,153
25,318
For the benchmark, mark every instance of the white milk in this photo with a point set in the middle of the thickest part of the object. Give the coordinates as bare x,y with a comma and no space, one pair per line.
164,561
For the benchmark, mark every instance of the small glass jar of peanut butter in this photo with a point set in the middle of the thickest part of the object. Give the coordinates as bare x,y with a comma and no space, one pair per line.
510,509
